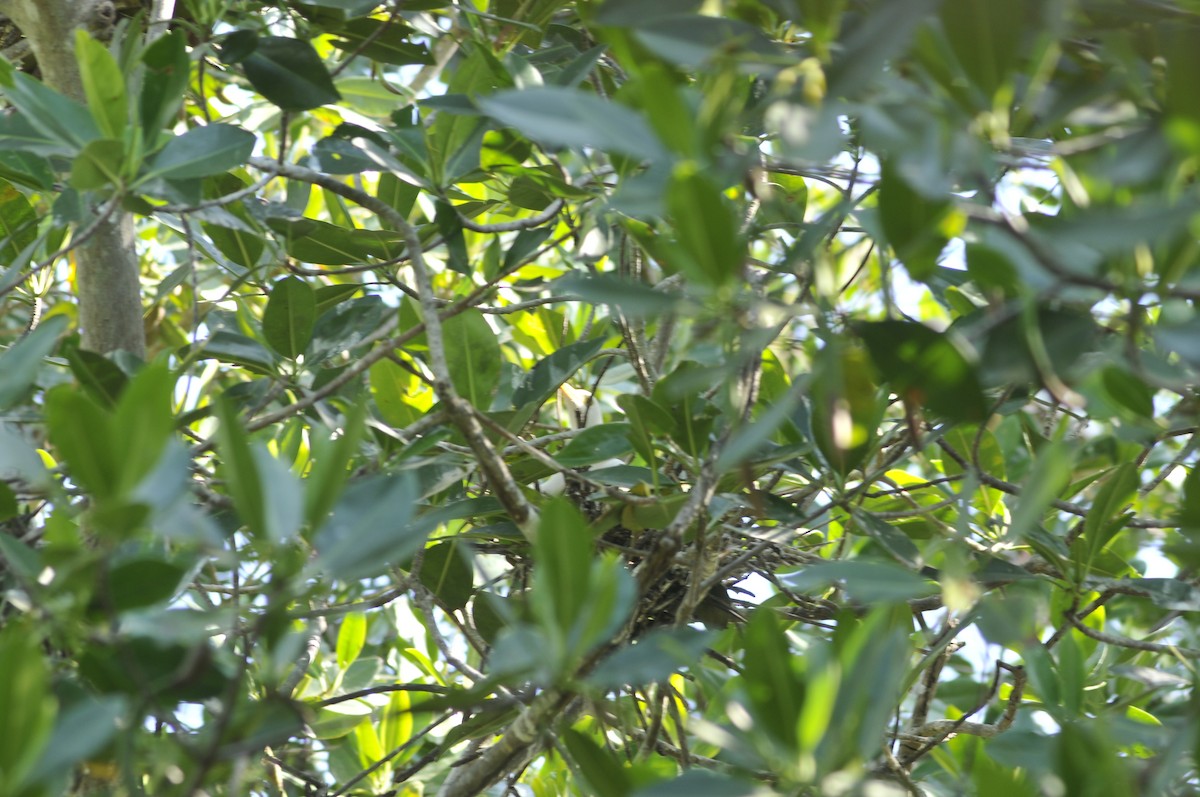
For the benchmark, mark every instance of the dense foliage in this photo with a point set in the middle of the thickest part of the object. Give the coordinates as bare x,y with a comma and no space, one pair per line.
632,397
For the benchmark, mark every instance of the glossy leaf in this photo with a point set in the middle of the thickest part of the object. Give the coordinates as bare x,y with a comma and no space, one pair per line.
202,151
289,73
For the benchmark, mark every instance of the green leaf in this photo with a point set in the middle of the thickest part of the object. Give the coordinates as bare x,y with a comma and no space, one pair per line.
142,581
164,82
894,541
18,223
1051,473
234,348
706,227
562,117
143,421
879,37
352,635
289,316
696,40
8,503
652,658
371,528
611,595
926,368
82,730
396,726
564,556
1117,491
447,572
1128,391
331,461
774,687
344,326
629,13
239,467
283,497
634,299
600,767
912,222
382,40
867,582
289,73
19,365
846,405
1189,507
27,707
595,444
393,389
103,85
399,194
56,117
98,375
328,244
702,781
473,357
553,370
99,164
986,38
83,435
202,151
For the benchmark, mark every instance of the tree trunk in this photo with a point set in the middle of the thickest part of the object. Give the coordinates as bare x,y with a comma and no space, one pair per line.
107,271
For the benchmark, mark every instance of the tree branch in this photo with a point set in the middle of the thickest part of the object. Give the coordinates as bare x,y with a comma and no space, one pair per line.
494,468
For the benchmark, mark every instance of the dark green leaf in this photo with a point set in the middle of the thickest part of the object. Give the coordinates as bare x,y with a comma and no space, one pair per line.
202,151
289,316
1117,491
774,687
290,74
600,767
926,368
328,244
142,582
332,458
912,222
705,226
878,37
98,375
447,572
986,38
167,72
234,348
